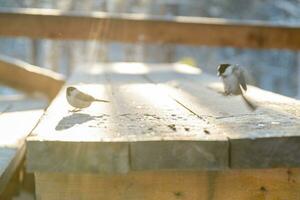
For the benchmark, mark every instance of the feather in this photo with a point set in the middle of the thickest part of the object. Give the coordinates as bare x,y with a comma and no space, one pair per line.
84,97
249,103
241,78
101,100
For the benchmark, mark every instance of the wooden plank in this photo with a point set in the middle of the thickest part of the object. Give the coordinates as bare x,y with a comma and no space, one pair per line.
140,122
170,185
76,157
56,24
79,142
266,138
167,129
12,187
15,126
25,77
182,118
180,155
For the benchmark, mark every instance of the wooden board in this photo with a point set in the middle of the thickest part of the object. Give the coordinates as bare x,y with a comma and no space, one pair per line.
163,117
15,126
56,24
140,122
28,78
172,185
267,137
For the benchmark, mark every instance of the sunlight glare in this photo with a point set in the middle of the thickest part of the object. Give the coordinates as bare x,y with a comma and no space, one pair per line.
14,134
130,68
95,69
186,69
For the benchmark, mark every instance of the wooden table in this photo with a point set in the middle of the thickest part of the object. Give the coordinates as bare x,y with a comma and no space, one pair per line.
168,133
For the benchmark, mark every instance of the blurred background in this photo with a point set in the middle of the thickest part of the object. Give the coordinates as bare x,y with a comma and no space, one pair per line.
274,70
271,69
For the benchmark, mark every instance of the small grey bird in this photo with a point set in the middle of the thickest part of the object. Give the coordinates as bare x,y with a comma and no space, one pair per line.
79,99
234,81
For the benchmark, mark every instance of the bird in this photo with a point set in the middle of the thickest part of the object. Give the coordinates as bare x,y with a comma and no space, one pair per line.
79,99
234,82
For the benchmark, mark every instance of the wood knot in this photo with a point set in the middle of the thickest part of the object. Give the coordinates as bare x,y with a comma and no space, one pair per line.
263,189
178,194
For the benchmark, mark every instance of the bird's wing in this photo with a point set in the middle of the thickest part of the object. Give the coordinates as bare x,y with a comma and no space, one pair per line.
242,80
84,97
241,77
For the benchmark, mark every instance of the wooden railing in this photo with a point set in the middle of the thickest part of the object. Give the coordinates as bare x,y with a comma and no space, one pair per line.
54,24
29,78
129,28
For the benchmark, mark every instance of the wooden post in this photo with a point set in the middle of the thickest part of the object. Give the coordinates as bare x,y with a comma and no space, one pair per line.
298,74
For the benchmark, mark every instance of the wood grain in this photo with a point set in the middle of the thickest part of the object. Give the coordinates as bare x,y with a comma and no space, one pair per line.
147,123
170,185
167,116
28,78
56,24
167,133
268,137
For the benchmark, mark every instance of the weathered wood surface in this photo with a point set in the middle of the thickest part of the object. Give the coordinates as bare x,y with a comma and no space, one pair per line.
172,185
163,117
28,78
261,139
56,24
139,118
15,126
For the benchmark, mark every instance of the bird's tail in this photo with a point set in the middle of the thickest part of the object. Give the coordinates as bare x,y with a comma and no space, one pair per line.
101,100
249,103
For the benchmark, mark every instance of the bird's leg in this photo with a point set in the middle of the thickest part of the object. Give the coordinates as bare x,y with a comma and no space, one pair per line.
223,93
75,110
226,93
